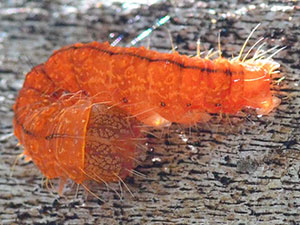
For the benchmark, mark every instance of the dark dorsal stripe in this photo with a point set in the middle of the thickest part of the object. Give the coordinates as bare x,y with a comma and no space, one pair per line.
181,65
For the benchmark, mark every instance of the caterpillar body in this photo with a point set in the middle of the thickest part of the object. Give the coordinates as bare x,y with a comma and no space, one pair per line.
78,114
160,88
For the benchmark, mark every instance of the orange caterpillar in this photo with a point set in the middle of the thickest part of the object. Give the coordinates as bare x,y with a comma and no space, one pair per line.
72,112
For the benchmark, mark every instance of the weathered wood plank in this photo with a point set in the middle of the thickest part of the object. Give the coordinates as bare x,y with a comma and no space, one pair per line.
246,172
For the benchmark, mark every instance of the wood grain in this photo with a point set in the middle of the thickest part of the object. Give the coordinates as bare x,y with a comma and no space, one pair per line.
244,170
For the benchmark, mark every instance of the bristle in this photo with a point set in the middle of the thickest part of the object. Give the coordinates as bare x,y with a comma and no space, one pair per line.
244,45
245,57
198,48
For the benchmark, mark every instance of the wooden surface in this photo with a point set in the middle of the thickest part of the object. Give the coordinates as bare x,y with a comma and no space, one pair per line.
242,171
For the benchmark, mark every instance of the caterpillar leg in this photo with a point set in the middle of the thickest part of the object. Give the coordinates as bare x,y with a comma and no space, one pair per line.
154,120
268,106
26,155
61,186
193,117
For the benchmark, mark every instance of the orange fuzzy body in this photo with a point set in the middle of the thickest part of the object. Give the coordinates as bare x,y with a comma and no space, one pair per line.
54,108
67,135
152,85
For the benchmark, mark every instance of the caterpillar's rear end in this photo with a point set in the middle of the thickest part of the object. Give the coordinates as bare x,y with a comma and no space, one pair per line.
69,136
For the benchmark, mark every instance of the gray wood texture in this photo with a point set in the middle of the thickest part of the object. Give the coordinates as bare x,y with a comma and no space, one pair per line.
245,170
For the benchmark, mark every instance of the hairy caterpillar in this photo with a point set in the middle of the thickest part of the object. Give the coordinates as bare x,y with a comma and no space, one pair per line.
78,114
69,136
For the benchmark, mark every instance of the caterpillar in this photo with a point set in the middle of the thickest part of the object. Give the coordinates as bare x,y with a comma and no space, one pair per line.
78,114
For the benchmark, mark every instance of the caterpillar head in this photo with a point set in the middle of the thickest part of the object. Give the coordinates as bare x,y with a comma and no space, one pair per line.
257,83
